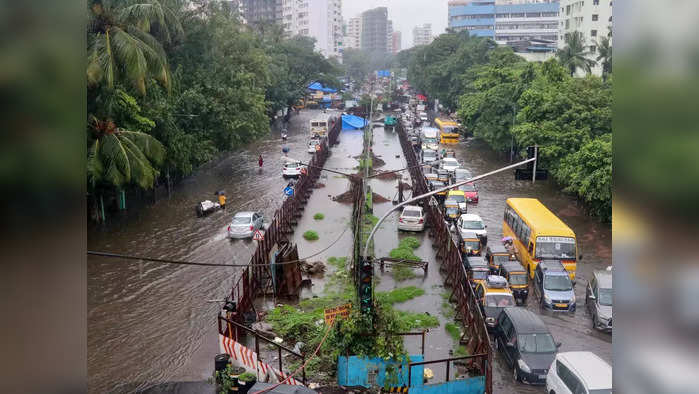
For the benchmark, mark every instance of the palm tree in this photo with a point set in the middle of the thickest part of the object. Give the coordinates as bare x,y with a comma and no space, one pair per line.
604,56
574,55
119,157
125,42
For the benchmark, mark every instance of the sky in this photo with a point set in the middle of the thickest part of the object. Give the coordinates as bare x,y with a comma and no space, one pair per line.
405,14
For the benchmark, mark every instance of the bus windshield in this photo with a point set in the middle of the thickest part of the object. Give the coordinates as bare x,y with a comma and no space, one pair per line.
555,247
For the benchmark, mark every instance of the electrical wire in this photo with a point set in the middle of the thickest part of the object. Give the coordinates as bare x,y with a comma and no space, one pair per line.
304,364
183,262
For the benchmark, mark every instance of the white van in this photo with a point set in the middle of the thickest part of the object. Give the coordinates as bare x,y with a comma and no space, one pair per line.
579,373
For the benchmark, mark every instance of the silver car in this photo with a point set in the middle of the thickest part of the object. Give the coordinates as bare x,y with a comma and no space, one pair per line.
411,219
244,224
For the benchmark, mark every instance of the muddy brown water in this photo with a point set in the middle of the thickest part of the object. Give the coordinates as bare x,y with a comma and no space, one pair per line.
150,323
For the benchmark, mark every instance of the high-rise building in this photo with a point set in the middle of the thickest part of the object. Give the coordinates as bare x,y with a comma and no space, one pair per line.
592,18
396,39
389,36
262,11
353,35
523,24
320,19
422,35
374,37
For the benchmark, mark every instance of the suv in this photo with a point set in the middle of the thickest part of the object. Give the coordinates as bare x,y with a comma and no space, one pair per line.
553,286
493,295
526,344
517,277
598,300
579,372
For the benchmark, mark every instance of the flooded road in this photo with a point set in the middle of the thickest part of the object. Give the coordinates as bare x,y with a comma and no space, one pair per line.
150,323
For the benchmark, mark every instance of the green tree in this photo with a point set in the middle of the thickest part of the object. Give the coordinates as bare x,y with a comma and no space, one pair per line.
125,42
574,55
604,55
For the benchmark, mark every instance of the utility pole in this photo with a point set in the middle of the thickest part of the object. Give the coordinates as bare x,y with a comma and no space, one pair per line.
536,154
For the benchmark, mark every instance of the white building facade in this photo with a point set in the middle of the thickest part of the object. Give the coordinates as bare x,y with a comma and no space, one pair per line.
592,18
422,35
320,19
353,35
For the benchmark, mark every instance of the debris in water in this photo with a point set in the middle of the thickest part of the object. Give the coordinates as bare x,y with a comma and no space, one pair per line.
406,186
378,198
345,198
387,176
319,185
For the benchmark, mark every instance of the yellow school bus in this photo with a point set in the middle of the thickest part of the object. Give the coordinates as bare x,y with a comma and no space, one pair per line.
448,131
538,234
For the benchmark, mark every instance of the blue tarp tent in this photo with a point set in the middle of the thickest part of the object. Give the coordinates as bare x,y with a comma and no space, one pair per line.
351,122
318,86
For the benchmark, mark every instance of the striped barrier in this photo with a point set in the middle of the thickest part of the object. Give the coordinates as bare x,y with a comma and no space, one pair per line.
244,357
401,389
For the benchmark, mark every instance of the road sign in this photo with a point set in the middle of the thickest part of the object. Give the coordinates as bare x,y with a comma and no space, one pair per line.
342,311
433,202
258,236
289,191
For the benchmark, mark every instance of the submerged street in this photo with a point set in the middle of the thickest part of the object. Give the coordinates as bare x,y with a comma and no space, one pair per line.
157,322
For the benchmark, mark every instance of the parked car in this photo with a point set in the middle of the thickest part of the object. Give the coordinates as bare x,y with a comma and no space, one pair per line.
553,286
493,296
313,145
598,299
291,169
450,164
517,279
429,155
470,244
526,344
470,192
411,219
470,222
476,269
579,372
244,224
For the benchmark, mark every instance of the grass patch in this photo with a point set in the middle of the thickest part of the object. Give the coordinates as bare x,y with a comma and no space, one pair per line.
401,273
404,254
318,216
310,235
461,351
453,330
412,320
448,310
400,295
409,242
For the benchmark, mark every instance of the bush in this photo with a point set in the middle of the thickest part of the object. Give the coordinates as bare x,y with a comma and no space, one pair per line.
318,216
247,377
453,331
401,273
310,235
404,254
409,242
400,295
412,320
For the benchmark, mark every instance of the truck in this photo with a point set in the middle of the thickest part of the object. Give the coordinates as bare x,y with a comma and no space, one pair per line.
430,138
318,127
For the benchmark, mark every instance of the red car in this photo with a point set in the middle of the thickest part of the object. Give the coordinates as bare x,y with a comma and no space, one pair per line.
470,192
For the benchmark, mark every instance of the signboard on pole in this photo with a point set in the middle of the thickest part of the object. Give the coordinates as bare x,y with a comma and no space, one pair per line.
258,236
289,191
342,311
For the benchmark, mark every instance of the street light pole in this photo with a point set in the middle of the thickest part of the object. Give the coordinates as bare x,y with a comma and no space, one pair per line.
428,194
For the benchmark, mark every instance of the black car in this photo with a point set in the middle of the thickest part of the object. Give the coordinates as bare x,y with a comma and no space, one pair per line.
526,344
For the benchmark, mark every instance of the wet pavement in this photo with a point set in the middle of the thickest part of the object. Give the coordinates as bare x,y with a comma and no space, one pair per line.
149,323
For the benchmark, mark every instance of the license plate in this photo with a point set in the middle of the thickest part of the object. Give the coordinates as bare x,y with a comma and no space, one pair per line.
561,305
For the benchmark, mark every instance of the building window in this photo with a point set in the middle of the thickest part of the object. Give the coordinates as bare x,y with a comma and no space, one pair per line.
593,49
567,24
595,17
595,2
593,33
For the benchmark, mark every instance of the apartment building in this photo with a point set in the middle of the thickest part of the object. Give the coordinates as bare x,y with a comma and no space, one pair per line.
389,36
262,11
396,42
353,33
422,35
320,19
592,18
374,35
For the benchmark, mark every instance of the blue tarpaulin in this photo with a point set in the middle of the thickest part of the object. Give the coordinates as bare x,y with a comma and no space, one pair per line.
351,122
383,73
319,86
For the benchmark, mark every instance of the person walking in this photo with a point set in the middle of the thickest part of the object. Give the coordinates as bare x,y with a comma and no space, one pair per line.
222,200
260,161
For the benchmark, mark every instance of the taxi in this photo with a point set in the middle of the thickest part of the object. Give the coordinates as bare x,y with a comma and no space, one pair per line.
470,243
476,269
493,295
497,254
460,198
451,208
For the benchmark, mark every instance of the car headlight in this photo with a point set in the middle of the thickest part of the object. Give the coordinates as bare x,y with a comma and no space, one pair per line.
547,299
523,366
490,320
572,299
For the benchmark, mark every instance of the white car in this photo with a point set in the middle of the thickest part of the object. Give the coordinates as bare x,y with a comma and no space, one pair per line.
244,224
429,156
291,169
579,372
472,223
450,164
313,145
411,219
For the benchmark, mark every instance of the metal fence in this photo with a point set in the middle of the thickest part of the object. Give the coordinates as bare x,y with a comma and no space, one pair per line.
257,279
467,309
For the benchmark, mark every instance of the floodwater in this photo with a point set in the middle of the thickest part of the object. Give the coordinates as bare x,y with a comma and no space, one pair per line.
150,323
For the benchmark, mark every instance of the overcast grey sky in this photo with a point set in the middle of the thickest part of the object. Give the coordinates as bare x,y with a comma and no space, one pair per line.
405,14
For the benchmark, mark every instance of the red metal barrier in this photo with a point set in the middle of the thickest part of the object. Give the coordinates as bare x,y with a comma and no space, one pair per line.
468,311
256,280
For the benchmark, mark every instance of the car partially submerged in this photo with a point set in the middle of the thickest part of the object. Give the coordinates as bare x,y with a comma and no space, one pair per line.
292,169
411,219
244,224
